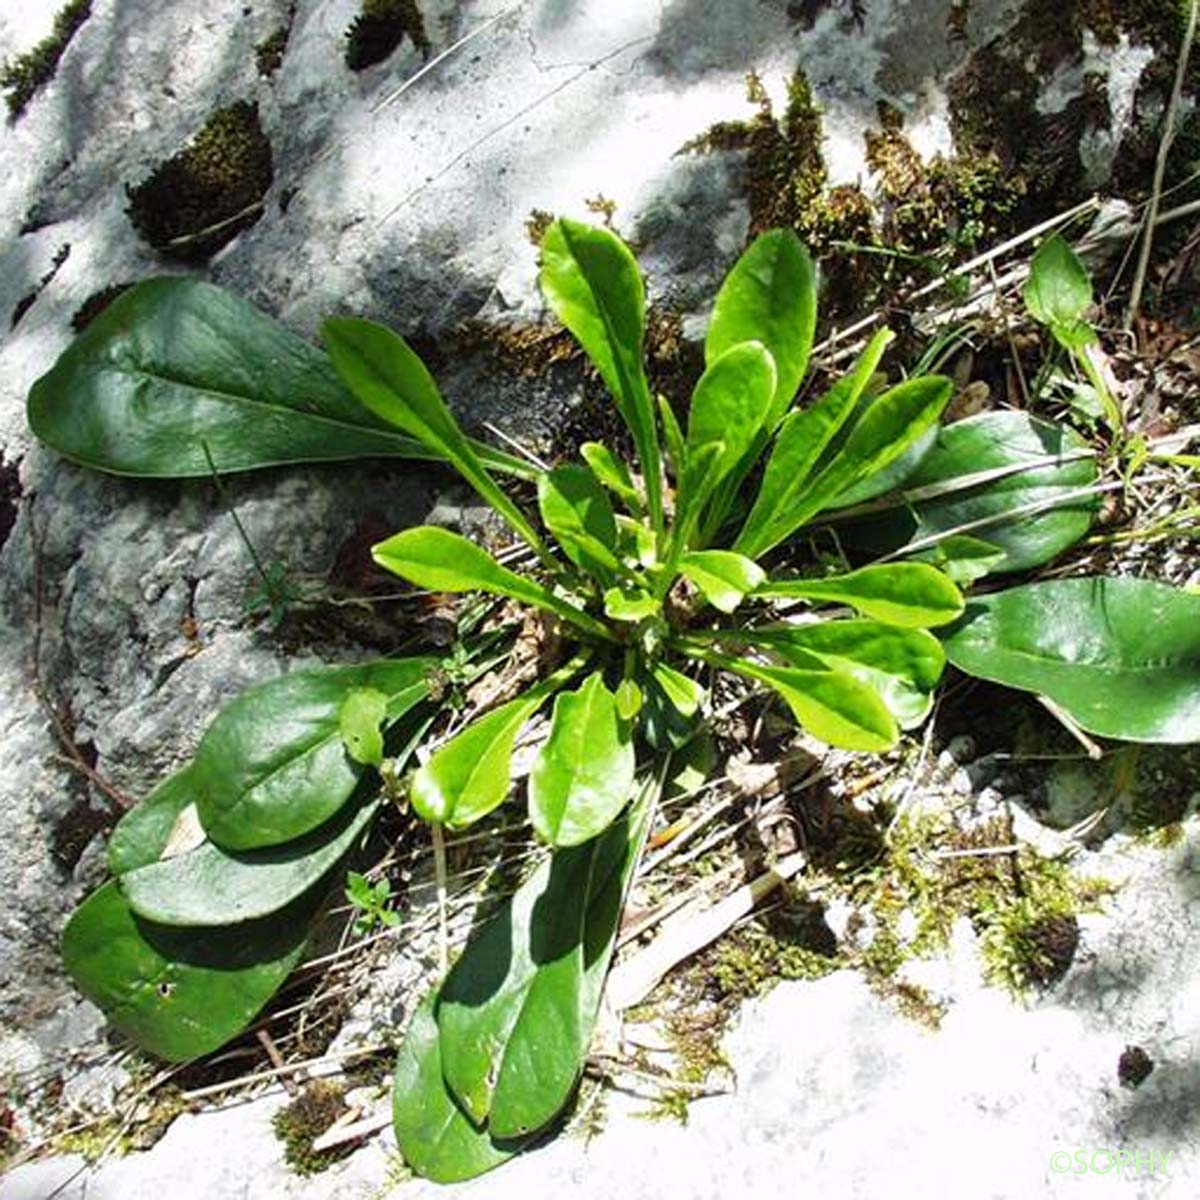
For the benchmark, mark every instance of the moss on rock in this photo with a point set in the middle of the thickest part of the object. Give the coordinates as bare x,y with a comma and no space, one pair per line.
869,249
380,27
304,1120
202,197
268,54
24,76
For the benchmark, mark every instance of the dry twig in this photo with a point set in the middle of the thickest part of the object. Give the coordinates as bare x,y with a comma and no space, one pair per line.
1170,128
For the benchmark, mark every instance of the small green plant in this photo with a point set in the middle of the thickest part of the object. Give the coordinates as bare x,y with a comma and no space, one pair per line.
1058,294
661,574
372,901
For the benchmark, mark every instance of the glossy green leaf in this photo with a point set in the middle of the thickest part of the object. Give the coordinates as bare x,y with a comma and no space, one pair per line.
1121,656
628,699
273,765
211,886
828,702
142,834
1074,338
613,473
630,604
517,1010
770,296
911,595
442,561
692,767
902,666
577,511
388,377
592,282
802,439
978,480
892,477
1058,291
583,774
884,431
684,693
663,723
672,438
178,993
964,558
723,577
436,1137
470,775
175,364
637,541
360,721
729,407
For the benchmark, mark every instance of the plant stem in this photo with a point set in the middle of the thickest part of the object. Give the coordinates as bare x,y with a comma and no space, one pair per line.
237,521
1112,410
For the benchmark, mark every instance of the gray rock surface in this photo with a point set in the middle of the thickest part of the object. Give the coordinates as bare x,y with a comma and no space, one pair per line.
410,207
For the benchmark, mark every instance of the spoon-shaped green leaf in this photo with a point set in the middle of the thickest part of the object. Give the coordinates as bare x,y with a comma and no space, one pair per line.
911,595
583,775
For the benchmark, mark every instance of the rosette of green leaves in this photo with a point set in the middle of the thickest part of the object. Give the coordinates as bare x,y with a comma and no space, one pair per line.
652,569
641,562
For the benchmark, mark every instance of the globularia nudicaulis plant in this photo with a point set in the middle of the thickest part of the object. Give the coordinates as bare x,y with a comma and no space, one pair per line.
654,571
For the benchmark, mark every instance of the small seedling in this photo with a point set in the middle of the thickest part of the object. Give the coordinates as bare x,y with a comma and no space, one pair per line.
371,900
1058,294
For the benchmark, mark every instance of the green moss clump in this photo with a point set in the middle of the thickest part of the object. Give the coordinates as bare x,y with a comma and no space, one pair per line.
673,1104
1022,906
724,135
753,960
945,204
202,197
380,27
115,1135
785,170
696,1003
22,77
101,1138
975,197
869,249
303,1121
268,54
1029,944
